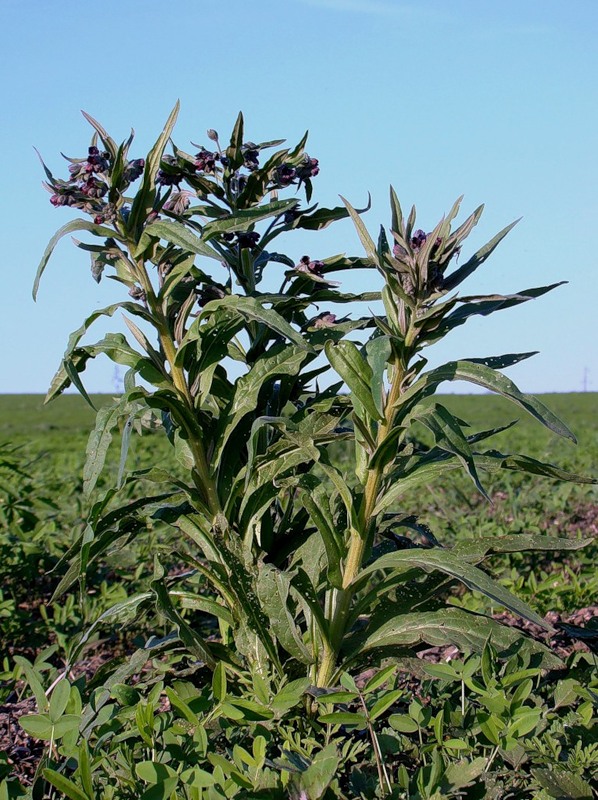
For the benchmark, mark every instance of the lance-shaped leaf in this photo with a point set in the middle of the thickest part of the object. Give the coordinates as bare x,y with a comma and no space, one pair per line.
77,358
242,219
483,306
281,360
459,275
116,347
243,585
492,461
302,584
324,216
273,587
469,632
483,373
315,500
251,309
423,472
366,240
476,550
107,140
176,233
447,562
107,419
144,199
120,523
348,362
190,638
73,225
449,436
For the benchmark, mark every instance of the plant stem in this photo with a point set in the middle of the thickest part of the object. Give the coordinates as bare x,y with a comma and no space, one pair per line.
201,477
360,539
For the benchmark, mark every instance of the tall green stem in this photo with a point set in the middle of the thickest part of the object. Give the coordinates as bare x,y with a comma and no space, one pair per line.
202,478
359,538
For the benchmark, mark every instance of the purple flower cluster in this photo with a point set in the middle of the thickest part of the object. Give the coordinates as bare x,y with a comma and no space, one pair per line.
88,184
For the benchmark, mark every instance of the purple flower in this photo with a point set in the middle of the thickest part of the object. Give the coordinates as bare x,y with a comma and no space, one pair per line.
250,156
134,169
324,320
247,239
418,240
97,161
309,168
205,161
311,267
285,175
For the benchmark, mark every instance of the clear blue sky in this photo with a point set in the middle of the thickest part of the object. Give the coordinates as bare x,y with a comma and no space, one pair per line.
494,100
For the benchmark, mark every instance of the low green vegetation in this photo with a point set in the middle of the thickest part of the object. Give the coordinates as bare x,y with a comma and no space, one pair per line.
436,732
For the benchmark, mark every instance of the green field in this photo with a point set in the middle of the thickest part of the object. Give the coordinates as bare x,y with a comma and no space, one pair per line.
43,511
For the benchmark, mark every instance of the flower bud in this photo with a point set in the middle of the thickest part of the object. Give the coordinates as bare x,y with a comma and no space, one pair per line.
212,134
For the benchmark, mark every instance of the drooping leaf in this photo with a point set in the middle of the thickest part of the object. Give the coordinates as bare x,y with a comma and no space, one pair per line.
479,372
469,632
73,225
449,563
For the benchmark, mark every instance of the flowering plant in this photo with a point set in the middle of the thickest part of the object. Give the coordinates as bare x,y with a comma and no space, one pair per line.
310,564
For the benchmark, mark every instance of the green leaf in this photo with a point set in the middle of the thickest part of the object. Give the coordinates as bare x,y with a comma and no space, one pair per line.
187,634
59,699
64,785
161,791
33,679
280,360
319,511
240,220
39,726
73,225
144,199
484,306
320,773
273,587
365,238
477,371
449,436
447,562
153,771
305,588
243,584
219,682
176,233
378,353
381,677
457,277
475,550
343,718
420,474
348,362
383,703
403,723
252,310
107,418
563,785
469,632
